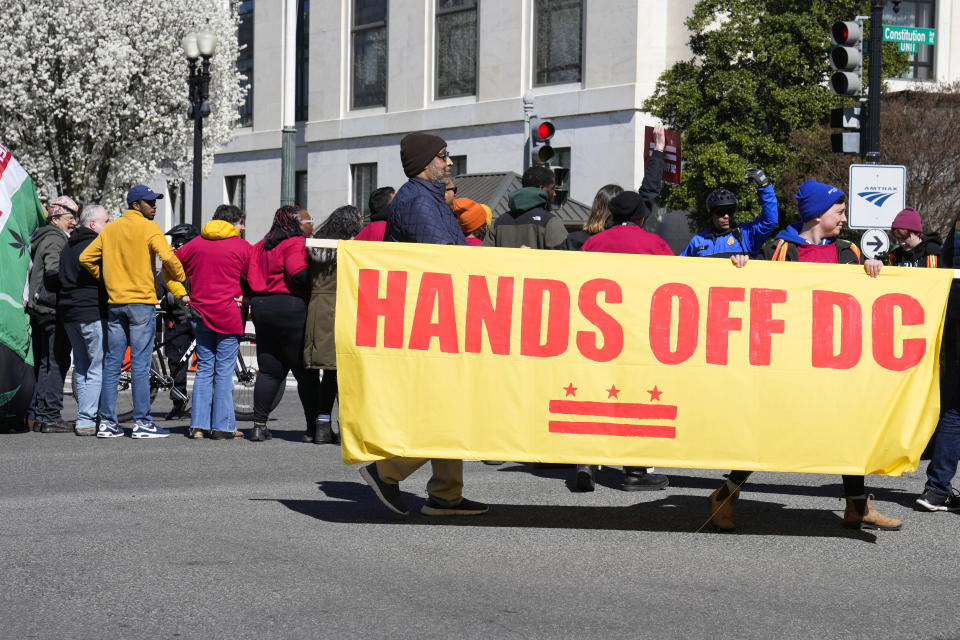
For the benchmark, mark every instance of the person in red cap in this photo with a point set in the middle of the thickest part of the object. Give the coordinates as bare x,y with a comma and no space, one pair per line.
915,248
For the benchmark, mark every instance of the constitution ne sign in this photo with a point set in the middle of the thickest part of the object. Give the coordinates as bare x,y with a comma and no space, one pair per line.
877,194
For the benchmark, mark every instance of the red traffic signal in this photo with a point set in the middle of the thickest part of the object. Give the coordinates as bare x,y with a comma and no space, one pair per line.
543,131
846,33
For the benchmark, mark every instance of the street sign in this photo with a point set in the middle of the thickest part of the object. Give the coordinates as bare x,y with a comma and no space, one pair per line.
907,47
877,194
874,242
671,152
910,35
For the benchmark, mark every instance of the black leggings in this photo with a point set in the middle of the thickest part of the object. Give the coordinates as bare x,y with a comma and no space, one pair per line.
852,485
279,321
328,391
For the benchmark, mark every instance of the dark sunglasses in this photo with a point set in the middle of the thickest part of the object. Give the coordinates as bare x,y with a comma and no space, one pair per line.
152,203
453,188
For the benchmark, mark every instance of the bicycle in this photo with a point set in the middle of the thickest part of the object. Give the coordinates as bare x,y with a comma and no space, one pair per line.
162,378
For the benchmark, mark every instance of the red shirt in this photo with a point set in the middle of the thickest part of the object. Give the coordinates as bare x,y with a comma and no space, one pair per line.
627,238
474,242
215,267
373,231
269,271
824,253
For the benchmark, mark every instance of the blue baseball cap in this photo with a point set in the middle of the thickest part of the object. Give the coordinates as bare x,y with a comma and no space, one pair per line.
142,192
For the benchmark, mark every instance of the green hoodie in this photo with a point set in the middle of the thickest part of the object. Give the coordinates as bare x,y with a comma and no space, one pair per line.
527,224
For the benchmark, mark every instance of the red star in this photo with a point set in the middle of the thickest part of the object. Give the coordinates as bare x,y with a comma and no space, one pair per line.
654,393
571,390
613,392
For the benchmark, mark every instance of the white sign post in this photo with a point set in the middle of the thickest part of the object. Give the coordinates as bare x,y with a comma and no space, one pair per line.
878,192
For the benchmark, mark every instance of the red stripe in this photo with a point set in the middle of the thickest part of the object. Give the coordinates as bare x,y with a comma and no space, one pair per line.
613,429
614,409
4,160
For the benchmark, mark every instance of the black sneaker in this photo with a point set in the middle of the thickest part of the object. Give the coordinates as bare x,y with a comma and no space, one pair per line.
178,410
463,508
933,501
585,477
389,494
639,479
58,426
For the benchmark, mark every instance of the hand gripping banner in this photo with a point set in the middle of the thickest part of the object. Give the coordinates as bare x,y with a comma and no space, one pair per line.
553,356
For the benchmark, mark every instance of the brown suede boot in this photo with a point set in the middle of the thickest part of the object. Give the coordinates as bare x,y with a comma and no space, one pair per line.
721,507
860,514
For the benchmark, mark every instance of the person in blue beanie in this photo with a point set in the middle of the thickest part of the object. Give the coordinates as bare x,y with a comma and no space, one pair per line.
813,239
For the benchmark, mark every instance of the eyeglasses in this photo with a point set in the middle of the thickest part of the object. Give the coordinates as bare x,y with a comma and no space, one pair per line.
443,155
453,188
69,216
152,203
308,221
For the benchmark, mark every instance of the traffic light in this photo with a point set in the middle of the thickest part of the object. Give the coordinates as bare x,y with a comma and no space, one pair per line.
847,58
848,119
540,133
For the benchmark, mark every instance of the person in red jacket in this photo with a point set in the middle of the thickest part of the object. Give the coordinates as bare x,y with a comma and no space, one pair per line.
216,261
628,211
379,205
279,287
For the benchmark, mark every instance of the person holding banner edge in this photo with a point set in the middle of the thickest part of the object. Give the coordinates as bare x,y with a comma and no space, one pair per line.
419,213
813,239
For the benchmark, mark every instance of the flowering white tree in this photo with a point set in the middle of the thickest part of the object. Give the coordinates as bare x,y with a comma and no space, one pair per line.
93,93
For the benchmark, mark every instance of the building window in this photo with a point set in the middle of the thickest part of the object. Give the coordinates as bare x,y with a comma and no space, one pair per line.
364,182
559,41
237,191
456,58
369,53
245,59
300,189
303,59
916,13
459,167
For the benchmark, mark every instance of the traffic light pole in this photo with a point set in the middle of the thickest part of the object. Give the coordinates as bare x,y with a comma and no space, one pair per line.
527,133
872,155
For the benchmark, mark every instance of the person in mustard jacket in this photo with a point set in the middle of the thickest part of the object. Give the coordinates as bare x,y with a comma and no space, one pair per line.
123,256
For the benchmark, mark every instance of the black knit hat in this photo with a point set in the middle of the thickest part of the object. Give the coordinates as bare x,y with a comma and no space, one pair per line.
628,207
417,150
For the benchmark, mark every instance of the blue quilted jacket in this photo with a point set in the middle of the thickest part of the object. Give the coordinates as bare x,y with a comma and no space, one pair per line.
419,214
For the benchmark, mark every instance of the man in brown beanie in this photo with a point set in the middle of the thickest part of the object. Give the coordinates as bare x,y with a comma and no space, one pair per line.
419,213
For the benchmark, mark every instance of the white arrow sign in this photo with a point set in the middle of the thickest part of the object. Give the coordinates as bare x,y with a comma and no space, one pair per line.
874,242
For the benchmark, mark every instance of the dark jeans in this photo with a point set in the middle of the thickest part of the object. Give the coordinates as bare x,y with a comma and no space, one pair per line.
328,391
177,337
279,320
946,453
852,485
51,358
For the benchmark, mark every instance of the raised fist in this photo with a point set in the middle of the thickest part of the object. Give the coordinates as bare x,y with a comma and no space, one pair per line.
758,176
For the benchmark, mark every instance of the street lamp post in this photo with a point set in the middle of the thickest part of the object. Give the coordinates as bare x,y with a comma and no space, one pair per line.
199,45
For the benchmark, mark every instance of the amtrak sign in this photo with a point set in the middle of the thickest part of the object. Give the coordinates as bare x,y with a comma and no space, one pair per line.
877,194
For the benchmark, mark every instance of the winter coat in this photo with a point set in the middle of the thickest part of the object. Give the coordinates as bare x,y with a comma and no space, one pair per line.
925,254
745,238
83,298
123,256
784,247
418,213
215,263
627,238
282,269
527,223
319,348
373,231
46,243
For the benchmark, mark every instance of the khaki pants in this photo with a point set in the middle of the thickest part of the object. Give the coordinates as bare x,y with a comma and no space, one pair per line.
445,485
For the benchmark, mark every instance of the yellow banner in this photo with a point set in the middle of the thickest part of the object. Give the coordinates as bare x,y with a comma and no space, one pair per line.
552,356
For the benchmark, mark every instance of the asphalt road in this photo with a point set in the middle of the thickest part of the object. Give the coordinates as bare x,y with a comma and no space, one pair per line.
178,538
